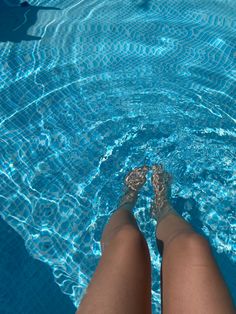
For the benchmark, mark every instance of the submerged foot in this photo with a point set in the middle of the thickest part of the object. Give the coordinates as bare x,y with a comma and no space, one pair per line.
161,181
134,180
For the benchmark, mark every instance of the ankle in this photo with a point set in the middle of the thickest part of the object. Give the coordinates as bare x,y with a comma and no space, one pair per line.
128,200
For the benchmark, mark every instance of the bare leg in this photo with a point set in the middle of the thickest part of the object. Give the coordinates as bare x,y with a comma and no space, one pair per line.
191,280
122,280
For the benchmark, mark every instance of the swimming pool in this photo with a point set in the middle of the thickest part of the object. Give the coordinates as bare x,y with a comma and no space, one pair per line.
112,85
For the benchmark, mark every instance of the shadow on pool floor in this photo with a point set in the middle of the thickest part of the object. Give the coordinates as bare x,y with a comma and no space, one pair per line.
16,19
27,285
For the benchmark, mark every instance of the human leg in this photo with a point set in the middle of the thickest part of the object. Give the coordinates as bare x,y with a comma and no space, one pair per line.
122,280
191,280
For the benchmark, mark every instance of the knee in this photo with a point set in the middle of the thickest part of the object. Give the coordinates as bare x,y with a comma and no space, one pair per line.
128,233
122,236
194,242
130,237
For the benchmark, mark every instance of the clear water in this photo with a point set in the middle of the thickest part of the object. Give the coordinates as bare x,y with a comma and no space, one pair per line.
112,85
27,285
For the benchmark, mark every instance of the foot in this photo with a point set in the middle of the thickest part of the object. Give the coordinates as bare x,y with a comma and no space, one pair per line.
133,183
161,181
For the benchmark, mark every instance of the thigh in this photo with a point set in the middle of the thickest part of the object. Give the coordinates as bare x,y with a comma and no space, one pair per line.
192,282
122,280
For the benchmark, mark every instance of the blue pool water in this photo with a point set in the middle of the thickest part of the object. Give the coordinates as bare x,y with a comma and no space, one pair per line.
91,89
27,285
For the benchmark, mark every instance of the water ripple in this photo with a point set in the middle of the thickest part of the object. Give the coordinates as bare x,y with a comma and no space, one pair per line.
111,86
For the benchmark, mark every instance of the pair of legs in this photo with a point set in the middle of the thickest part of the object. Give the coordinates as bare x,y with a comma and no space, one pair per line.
191,280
